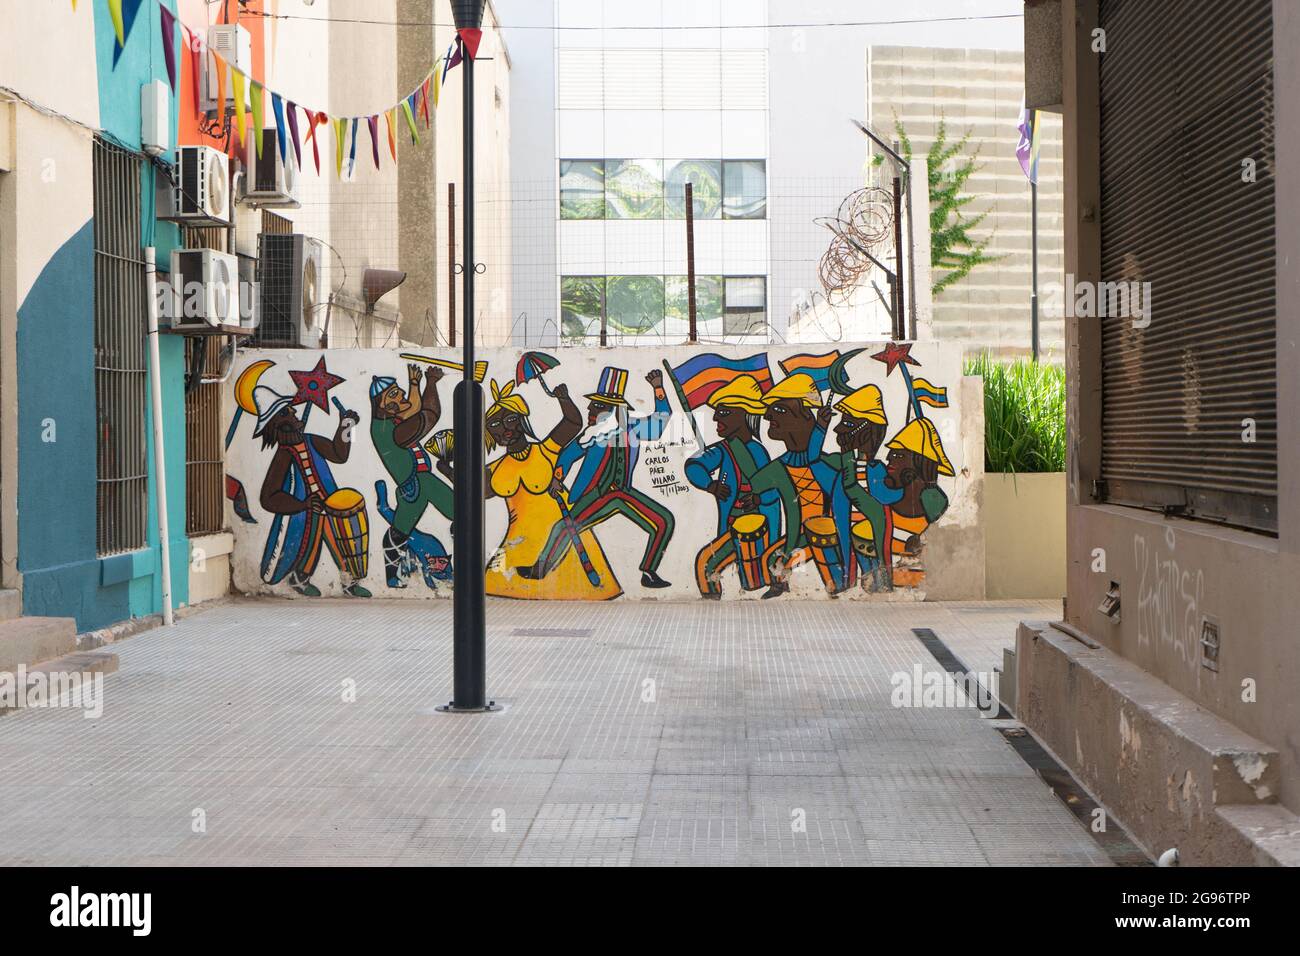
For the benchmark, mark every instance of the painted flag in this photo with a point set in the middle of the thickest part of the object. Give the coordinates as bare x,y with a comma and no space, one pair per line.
702,375
410,120
927,394
1030,143
277,107
293,132
167,23
237,91
372,123
255,94
818,366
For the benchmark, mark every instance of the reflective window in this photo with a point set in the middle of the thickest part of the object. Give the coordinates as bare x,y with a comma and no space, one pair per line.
744,189
634,304
582,189
582,301
634,189
746,306
705,177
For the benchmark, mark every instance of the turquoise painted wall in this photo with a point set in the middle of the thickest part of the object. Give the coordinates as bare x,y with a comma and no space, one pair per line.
62,575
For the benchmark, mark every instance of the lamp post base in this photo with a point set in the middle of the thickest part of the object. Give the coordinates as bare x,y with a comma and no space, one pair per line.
450,707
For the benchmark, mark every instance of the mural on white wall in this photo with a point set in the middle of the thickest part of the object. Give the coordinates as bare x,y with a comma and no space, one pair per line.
651,473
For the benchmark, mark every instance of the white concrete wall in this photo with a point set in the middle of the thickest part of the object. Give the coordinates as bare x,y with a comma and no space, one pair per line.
954,569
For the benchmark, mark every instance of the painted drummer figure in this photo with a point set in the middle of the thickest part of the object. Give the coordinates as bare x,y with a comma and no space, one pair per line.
297,484
811,491
735,458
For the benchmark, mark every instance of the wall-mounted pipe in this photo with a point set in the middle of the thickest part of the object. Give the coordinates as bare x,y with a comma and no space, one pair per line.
159,456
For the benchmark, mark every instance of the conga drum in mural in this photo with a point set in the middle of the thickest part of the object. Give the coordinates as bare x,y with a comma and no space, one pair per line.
347,531
864,540
824,543
750,534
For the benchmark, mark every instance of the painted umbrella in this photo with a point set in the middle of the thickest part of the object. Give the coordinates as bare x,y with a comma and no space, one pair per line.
532,365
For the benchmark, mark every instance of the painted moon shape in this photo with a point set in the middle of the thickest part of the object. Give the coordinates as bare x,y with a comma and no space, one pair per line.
246,382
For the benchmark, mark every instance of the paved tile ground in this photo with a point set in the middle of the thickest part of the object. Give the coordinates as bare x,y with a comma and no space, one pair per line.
770,740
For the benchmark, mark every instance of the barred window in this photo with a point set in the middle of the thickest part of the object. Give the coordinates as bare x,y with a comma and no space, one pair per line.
204,455
122,483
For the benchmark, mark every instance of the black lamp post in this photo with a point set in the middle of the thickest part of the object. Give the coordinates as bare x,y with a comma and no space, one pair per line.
469,649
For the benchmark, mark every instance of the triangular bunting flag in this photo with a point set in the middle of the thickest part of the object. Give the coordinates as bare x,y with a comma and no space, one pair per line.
451,59
315,120
219,64
392,139
255,94
167,23
293,132
352,155
437,86
277,107
115,14
237,91
127,9
410,119
424,101
372,123
340,134
193,47
472,38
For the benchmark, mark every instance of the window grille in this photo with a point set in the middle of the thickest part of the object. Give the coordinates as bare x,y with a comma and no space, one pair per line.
121,476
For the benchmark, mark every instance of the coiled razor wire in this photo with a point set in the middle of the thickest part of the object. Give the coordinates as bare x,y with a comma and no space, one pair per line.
863,225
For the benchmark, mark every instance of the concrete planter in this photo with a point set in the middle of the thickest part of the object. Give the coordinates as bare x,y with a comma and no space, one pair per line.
1024,535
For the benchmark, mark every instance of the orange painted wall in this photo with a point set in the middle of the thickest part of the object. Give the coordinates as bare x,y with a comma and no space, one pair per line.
189,128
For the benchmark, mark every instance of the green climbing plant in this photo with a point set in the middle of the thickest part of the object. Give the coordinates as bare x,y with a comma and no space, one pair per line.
954,252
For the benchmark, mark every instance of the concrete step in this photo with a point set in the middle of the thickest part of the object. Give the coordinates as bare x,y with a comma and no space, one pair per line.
56,672
31,640
1271,831
11,604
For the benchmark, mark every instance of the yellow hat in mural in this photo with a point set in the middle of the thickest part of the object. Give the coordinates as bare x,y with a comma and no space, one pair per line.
800,385
922,438
866,403
741,392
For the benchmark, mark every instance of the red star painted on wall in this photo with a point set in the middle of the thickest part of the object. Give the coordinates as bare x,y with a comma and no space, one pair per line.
894,354
314,386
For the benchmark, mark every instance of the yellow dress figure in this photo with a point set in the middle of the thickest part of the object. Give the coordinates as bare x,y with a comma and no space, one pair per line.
526,477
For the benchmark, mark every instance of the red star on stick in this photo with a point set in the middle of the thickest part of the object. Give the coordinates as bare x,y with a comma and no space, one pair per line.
894,354
314,386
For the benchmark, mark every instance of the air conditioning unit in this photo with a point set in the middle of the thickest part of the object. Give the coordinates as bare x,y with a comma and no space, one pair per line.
291,291
199,193
205,290
270,181
250,293
233,44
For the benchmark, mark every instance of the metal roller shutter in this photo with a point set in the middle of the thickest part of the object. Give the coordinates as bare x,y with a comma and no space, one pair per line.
1183,103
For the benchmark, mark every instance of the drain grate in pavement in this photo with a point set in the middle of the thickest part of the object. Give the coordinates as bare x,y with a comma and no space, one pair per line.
1113,841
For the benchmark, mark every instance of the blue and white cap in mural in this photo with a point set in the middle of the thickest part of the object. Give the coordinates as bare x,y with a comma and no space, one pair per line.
380,384
269,403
